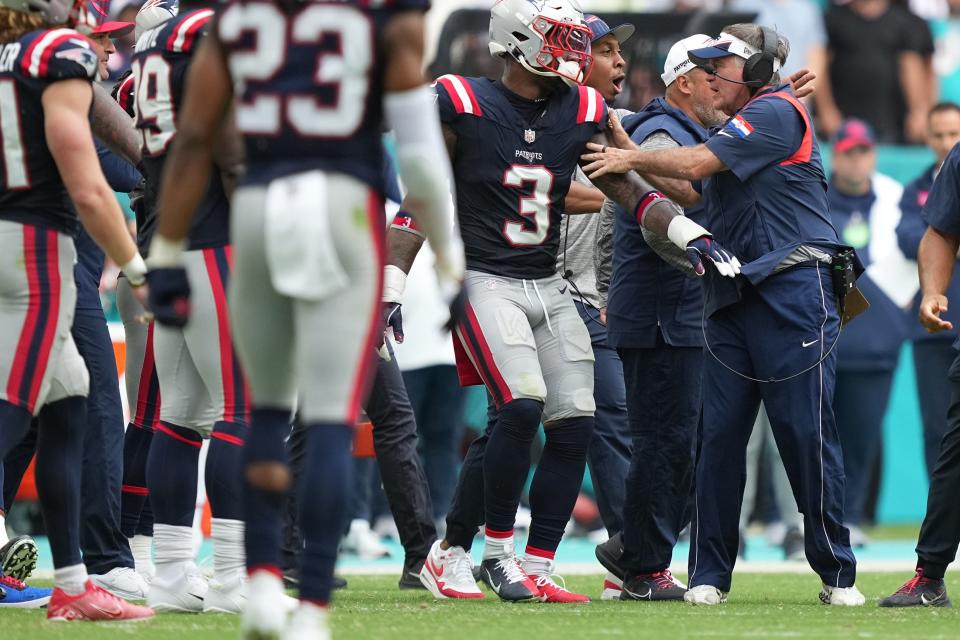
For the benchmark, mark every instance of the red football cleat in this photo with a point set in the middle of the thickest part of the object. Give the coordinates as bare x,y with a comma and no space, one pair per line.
550,591
93,604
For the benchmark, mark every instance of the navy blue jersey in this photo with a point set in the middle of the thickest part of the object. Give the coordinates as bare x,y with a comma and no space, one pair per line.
31,191
160,63
310,84
513,164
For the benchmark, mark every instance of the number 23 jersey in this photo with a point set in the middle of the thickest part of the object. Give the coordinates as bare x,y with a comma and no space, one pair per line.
513,164
309,84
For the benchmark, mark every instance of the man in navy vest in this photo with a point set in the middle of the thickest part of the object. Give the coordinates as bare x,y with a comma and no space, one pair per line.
769,332
653,320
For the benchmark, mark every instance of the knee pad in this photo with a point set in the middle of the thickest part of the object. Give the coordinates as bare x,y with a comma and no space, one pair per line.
569,439
268,432
520,419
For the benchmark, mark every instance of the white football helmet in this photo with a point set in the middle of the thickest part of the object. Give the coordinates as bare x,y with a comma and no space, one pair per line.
547,37
72,13
153,14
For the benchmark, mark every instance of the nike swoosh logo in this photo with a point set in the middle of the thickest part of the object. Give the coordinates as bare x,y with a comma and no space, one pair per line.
807,344
113,612
641,596
495,586
432,566
925,600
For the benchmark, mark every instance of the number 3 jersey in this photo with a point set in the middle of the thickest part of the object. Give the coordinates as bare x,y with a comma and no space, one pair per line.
310,84
513,163
31,191
159,72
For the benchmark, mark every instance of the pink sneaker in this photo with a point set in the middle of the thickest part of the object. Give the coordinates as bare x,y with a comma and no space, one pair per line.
93,604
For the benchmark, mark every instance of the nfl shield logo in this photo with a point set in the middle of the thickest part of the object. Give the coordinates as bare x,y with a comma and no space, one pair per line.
529,135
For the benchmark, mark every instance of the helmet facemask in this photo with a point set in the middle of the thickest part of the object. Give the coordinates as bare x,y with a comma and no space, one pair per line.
564,52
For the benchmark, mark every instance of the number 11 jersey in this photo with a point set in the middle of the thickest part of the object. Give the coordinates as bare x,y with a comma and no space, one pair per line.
513,164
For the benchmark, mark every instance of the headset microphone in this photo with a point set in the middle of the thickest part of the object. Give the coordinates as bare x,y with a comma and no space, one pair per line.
748,83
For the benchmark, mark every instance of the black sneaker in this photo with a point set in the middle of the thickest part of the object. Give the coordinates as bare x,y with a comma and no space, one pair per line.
793,547
507,579
18,558
410,578
919,591
291,580
653,586
610,553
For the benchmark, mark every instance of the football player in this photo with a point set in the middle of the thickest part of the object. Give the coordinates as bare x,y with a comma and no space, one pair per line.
48,157
514,144
203,388
315,82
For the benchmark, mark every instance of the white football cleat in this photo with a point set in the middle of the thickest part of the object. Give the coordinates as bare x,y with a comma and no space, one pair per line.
612,587
449,573
842,596
228,597
184,594
308,622
123,582
265,612
364,542
705,594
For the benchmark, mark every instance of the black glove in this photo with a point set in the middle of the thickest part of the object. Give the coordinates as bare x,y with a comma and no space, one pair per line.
393,319
458,310
705,247
169,296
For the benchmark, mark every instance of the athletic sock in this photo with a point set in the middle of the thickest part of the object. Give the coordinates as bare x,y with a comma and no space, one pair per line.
506,461
133,494
142,549
72,579
323,506
223,475
556,482
537,562
58,471
172,552
228,556
263,509
172,475
497,544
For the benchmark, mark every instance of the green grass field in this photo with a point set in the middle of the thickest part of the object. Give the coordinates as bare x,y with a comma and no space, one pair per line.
761,606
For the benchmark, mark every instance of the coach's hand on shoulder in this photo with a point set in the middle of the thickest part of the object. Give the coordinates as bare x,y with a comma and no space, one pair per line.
169,295
931,306
616,134
706,248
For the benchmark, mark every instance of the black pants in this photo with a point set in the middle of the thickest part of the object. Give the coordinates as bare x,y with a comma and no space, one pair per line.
931,363
404,482
940,533
663,411
104,546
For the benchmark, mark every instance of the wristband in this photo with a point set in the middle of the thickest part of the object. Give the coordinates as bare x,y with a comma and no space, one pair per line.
648,200
406,222
682,231
394,282
164,252
135,270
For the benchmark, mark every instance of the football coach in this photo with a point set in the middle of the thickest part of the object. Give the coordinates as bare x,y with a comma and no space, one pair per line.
770,333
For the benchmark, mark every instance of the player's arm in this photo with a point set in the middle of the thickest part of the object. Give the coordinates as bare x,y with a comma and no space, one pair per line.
114,127
684,163
660,215
207,97
229,153
422,148
936,259
582,199
66,105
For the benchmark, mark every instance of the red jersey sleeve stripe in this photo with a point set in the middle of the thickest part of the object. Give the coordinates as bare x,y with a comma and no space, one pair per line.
185,33
461,94
591,106
35,60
